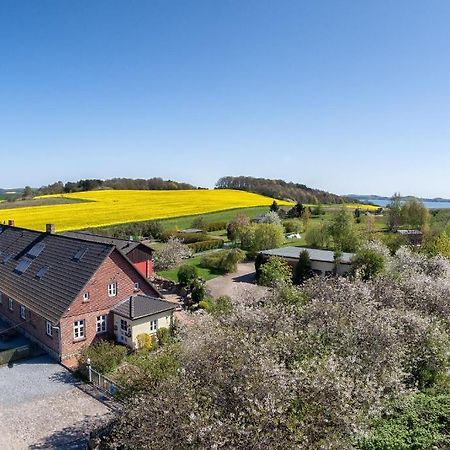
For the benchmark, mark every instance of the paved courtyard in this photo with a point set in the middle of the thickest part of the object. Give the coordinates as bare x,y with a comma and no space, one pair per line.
41,407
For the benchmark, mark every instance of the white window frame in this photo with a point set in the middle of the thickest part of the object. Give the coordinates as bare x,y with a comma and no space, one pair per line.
112,289
48,328
23,312
153,325
136,286
79,331
10,304
101,324
86,297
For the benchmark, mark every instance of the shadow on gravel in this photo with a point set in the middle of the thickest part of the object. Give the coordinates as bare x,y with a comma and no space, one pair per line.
70,438
247,278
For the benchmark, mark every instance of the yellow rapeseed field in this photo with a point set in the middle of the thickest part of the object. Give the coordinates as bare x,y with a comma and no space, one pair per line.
113,207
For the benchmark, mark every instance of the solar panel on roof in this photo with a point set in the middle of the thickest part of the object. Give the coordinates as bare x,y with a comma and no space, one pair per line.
36,250
42,271
23,266
80,253
6,258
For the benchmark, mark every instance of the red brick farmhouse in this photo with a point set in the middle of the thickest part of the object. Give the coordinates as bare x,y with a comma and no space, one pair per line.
60,290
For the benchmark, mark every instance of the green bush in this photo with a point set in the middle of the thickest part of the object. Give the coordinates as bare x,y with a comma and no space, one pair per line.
105,356
216,226
187,274
275,272
225,261
420,422
145,342
203,246
293,225
191,238
163,335
205,304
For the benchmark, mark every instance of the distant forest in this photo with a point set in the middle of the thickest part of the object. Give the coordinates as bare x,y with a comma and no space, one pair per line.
279,189
152,184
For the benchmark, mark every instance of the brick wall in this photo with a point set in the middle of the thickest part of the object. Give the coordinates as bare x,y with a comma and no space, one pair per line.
33,326
114,269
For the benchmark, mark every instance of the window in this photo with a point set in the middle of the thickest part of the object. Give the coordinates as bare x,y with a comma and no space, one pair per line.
112,289
23,312
78,329
49,328
123,325
10,304
136,286
153,325
86,297
101,324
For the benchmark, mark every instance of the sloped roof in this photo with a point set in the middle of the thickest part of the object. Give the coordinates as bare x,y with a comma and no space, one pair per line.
138,306
63,275
124,245
314,254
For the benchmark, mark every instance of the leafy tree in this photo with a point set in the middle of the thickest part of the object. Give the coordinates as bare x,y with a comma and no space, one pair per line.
342,232
153,229
296,211
271,217
302,269
267,236
200,223
198,290
317,236
293,225
306,217
438,245
394,215
415,214
235,227
276,271
368,263
27,192
171,255
186,274
274,207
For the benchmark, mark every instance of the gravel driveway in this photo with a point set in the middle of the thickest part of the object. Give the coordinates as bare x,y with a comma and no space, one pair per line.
41,407
233,284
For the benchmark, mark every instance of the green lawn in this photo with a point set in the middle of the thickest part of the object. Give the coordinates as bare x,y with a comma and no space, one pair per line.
206,274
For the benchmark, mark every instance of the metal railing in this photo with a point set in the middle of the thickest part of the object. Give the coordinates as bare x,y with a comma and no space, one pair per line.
100,381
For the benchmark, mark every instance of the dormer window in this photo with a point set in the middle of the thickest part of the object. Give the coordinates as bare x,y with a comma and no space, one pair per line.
112,289
136,286
86,297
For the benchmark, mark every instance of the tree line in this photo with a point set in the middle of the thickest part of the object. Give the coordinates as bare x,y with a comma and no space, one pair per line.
151,184
279,189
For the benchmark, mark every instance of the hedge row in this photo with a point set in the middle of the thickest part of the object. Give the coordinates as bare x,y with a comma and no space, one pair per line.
203,246
216,226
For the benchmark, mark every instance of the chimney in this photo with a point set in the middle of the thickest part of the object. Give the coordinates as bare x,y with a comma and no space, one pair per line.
50,228
11,223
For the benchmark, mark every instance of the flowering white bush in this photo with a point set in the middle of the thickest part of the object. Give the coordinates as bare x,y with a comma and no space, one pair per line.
302,368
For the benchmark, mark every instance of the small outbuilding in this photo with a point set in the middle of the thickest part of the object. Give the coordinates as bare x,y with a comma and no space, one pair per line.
140,314
323,262
414,237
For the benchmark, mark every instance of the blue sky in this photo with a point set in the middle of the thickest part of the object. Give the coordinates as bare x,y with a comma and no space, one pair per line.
350,96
